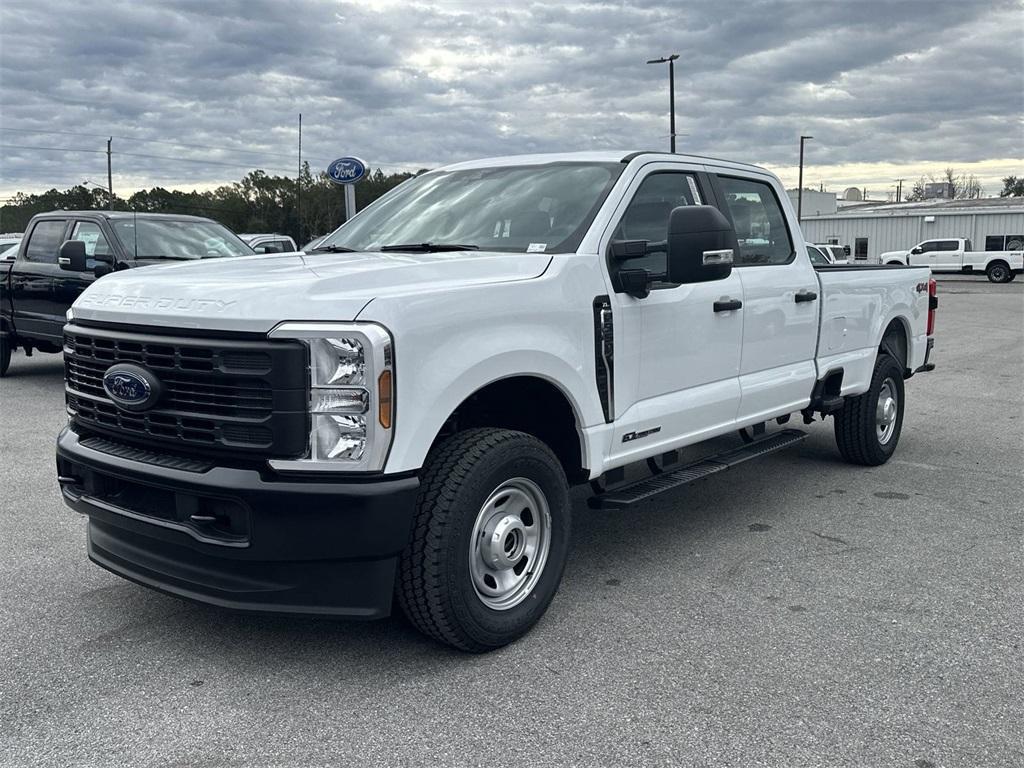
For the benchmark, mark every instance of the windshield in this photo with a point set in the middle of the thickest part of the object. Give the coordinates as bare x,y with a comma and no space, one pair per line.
170,239
533,209
816,256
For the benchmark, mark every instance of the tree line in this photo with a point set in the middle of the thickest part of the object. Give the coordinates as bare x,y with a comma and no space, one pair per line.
303,208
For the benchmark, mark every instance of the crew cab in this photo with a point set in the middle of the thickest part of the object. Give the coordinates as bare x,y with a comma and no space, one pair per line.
956,255
402,411
40,284
269,243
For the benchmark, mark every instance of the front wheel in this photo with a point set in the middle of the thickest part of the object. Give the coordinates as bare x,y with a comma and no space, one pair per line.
5,355
868,426
998,272
489,540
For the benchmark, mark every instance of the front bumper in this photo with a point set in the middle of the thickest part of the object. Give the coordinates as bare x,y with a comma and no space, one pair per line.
239,538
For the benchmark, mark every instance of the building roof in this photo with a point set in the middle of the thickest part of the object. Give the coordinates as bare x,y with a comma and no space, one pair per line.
931,207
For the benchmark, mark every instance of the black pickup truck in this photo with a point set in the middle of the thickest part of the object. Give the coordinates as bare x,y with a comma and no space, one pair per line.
64,251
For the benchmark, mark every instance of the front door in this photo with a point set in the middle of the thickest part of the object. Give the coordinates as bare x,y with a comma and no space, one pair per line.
32,281
780,303
68,286
677,359
926,254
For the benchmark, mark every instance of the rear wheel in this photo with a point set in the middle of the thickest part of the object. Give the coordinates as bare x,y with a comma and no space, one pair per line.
5,355
489,541
868,426
999,272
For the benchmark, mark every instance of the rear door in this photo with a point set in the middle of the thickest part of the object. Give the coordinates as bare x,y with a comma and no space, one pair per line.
32,281
948,256
780,301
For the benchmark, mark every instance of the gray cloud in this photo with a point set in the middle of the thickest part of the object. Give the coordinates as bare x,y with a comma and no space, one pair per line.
418,84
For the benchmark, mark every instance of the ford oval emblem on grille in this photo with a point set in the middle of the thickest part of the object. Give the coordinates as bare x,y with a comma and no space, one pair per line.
131,387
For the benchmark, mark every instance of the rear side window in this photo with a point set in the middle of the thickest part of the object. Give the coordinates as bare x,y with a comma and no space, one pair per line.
44,241
760,226
949,245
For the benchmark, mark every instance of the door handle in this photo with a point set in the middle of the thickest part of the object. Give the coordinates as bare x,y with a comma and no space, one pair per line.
727,305
805,296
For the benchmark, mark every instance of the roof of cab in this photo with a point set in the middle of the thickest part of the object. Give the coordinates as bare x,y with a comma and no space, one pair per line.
602,156
122,215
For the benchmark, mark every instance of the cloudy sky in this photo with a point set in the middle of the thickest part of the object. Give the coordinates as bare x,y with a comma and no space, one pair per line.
197,92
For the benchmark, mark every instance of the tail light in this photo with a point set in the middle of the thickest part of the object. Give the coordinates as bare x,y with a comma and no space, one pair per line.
933,304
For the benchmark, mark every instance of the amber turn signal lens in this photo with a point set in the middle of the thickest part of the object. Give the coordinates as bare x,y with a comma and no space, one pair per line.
384,399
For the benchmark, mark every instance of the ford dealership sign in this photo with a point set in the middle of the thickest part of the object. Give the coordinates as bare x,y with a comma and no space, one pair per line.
346,170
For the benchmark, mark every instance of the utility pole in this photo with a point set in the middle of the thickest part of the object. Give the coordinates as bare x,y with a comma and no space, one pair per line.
110,178
800,183
899,190
298,184
671,96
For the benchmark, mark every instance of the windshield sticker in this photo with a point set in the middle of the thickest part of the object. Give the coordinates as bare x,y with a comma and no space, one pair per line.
536,247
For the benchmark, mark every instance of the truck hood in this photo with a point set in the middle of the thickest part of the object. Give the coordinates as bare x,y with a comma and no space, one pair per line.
255,293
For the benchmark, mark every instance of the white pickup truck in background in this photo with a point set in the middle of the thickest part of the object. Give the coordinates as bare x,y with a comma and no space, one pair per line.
956,255
402,410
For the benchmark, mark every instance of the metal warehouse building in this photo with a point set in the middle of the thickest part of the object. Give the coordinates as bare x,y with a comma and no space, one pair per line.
869,230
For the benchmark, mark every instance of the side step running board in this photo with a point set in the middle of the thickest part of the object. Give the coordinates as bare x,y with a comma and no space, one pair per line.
642,490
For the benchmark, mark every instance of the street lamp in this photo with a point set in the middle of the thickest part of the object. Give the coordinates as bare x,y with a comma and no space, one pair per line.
100,186
800,183
671,94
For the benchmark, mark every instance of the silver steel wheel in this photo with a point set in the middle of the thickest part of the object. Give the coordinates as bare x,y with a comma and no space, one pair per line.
886,412
510,543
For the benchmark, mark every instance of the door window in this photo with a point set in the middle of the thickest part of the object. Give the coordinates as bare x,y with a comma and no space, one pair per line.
931,245
760,226
95,242
949,245
646,217
44,241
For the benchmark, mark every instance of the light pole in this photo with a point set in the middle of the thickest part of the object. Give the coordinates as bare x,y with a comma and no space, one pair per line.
671,95
105,189
800,183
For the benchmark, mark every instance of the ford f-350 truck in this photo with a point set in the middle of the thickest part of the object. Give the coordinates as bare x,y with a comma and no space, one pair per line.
402,411
956,255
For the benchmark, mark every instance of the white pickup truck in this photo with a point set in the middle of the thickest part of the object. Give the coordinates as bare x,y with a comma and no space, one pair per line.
402,410
955,255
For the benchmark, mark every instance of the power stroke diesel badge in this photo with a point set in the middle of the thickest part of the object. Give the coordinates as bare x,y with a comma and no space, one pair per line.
131,387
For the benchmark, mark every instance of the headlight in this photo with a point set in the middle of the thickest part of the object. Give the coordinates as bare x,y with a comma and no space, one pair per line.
351,397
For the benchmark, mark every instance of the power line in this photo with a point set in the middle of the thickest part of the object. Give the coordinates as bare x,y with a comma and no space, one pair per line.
144,155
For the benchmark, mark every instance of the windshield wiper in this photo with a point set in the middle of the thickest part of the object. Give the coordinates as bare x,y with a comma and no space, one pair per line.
332,248
430,247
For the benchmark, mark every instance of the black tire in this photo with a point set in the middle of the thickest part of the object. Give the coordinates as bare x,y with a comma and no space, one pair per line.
999,272
857,423
436,584
1012,277
5,355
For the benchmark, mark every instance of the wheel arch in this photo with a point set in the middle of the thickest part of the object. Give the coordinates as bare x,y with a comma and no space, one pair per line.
896,343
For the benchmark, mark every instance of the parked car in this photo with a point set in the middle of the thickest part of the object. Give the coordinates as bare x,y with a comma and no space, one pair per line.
837,254
270,243
817,256
956,255
9,239
9,254
403,412
314,243
65,251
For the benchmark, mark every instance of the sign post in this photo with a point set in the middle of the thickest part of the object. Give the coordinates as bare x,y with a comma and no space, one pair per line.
346,171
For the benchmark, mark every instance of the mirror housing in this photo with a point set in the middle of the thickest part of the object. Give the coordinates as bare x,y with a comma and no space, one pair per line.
72,257
916,250
701,245
623,250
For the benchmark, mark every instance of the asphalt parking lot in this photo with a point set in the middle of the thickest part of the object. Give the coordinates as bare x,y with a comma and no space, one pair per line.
797,611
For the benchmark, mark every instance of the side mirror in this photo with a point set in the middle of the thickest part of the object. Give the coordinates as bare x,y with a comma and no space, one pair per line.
71,256
916,249
701,245
623,250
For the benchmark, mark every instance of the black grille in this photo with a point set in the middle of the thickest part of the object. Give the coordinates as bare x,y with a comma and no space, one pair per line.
216,394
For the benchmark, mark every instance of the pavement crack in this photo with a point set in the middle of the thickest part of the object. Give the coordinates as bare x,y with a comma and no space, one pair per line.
833,539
